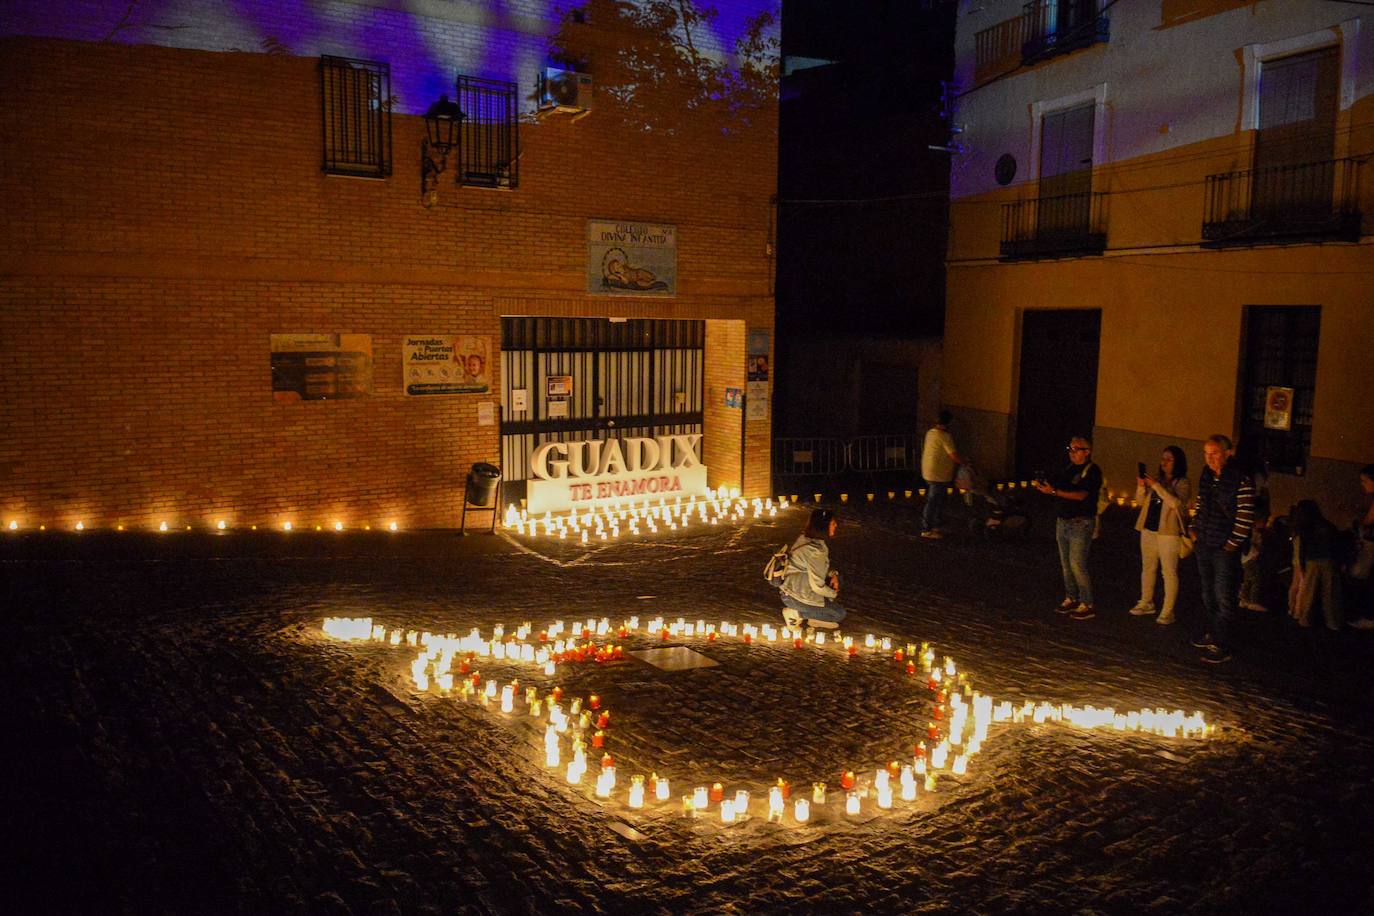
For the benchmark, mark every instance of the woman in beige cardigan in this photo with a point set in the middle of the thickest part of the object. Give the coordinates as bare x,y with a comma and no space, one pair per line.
1163,522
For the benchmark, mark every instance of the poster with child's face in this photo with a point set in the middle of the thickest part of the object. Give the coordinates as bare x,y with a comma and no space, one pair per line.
475,353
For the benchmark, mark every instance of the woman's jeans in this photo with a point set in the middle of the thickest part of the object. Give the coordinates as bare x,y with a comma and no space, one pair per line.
830,612
1158,551
1074,536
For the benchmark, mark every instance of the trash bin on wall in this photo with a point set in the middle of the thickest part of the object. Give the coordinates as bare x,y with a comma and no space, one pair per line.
482,481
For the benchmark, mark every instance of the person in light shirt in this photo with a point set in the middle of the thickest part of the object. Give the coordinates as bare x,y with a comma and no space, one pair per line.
939,458
809,585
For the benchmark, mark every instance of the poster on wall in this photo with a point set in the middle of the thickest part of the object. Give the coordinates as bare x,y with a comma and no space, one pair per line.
445,364
756,368
1278,408
757,342
558,392
734,397
321,367
631,259
756,401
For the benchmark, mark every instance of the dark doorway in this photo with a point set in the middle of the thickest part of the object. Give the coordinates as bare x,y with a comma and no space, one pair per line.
1058,390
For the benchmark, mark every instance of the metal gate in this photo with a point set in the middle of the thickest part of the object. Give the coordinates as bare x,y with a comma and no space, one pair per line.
637,377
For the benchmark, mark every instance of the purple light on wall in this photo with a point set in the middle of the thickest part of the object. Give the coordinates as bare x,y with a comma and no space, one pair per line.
425,53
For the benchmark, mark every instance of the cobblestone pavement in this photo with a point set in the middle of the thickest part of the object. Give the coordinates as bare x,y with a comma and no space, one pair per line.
189,742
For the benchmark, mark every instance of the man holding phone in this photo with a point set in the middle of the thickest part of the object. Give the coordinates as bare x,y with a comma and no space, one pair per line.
1075,490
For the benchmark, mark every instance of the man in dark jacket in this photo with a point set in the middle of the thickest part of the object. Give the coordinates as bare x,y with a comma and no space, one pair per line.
1222,527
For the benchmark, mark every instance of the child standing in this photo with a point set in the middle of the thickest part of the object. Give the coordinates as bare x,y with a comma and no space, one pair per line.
1314,567
1252,568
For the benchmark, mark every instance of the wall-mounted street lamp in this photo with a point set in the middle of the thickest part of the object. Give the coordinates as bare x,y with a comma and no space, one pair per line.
441,135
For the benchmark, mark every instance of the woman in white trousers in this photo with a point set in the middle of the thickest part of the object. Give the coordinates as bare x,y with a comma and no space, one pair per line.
1162,523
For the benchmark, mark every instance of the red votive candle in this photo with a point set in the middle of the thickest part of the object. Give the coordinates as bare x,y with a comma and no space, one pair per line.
594,701
603,720
847,779
717,792
599,739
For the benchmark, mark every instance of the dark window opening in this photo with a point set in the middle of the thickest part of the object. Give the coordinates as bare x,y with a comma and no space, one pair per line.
1279,383
489,148
355,108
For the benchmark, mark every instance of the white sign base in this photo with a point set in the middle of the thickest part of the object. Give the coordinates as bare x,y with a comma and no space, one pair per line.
564,495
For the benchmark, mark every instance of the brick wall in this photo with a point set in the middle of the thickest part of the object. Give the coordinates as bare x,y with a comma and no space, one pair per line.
165,213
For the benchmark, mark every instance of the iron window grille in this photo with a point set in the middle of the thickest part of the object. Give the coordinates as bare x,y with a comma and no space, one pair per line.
1306,202
1054,27
1064,225
1280,350
355,109
489,143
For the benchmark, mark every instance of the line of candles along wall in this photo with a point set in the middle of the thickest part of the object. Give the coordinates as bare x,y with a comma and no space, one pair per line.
717,506
959,723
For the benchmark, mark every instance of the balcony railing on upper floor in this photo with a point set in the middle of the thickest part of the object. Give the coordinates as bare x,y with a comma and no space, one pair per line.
997,50
1054,227
1044,28
1310,201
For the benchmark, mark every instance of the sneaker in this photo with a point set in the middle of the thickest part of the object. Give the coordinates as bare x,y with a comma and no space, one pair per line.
791,618
1066,606
822,624
1204,641
1215,655
933,534
1142,609
1363,623
1253,606
1083,612
1165,617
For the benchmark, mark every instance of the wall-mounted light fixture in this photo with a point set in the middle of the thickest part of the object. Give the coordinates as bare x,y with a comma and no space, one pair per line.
441,135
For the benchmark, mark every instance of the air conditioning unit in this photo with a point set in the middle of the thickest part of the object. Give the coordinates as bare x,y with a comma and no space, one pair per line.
564,90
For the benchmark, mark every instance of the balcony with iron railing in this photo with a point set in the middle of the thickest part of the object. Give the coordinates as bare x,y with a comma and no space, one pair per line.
1044,29
1054,227
1311,201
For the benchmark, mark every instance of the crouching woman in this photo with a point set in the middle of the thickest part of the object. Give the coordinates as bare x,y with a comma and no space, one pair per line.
810,586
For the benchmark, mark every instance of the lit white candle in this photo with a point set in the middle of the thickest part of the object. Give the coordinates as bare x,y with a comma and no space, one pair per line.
775,805
851,803
802,810
699,798
727,812
661,788
908,784
960,765
507,698
636,792
885,796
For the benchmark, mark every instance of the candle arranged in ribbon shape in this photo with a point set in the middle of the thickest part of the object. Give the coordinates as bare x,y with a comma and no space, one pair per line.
961,718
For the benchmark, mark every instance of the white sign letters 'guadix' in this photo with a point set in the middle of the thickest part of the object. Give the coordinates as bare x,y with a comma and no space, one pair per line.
601,472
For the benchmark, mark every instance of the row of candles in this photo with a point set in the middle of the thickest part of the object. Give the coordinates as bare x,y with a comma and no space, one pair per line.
217,525
644,517
1120,499
958,727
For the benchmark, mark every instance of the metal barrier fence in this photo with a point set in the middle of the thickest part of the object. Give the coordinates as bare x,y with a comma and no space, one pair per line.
807,457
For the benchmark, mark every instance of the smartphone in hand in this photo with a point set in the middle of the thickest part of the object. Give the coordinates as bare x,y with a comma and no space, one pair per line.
1140,469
